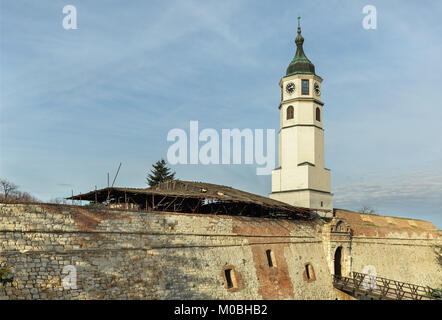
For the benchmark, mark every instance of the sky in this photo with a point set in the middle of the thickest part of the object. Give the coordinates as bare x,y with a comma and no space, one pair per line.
76,103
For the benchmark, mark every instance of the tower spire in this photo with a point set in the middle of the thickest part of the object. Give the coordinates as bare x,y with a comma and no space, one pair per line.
300,63
299,41
301,179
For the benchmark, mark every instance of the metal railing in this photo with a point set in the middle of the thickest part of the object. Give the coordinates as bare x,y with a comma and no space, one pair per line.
361,284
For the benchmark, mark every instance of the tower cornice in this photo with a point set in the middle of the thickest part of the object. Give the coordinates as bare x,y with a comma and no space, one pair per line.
300,76
301,99
301,125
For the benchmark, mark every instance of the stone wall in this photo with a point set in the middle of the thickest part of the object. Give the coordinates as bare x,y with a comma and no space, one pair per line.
398,248
140,255
145,255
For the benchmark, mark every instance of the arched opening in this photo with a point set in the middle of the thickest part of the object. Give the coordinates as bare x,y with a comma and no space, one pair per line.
338,261
290,113
340,226
318,114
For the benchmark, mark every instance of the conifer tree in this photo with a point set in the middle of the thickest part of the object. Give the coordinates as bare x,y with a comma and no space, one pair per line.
159,173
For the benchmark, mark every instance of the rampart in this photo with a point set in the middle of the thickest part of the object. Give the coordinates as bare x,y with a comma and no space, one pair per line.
163,255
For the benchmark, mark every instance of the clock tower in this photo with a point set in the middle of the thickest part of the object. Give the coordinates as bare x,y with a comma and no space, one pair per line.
301,179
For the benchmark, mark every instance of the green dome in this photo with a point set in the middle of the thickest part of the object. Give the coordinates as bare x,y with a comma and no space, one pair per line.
300,63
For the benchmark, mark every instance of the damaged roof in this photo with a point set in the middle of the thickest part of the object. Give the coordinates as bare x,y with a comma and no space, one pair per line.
197,191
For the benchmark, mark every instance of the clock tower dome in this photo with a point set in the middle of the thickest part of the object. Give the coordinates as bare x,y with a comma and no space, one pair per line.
301,179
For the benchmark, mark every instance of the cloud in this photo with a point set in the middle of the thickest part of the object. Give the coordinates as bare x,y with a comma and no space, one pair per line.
74,103
417,187
64,184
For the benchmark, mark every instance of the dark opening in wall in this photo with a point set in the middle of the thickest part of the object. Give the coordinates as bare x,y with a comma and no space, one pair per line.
228,274
233,280
338,258
271,258
309,273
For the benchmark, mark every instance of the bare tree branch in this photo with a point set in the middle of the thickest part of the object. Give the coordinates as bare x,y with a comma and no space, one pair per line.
7,188
367,210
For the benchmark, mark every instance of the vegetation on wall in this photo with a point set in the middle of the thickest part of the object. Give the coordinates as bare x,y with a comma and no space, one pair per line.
5,275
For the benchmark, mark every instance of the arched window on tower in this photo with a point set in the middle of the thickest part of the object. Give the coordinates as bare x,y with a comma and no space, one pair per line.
318,114
290,113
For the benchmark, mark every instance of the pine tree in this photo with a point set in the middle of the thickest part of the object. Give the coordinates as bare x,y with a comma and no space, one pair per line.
159,173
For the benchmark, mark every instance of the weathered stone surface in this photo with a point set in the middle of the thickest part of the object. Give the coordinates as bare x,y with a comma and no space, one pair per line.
144,255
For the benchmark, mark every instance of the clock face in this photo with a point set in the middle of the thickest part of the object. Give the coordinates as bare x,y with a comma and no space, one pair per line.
290,88
317,89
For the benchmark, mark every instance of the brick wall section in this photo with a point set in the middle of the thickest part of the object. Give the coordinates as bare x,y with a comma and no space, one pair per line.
139,255
293,245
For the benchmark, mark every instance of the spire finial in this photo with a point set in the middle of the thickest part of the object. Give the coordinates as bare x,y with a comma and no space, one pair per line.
299,39
300,63
299,24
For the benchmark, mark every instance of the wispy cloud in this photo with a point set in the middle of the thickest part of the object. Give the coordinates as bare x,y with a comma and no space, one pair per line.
64,184
75,103
408,187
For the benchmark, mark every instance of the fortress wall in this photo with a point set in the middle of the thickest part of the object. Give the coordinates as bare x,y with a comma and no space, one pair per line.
139,255
400,249
412,262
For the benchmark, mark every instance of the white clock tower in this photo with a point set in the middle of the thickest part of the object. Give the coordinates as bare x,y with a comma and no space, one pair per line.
301,179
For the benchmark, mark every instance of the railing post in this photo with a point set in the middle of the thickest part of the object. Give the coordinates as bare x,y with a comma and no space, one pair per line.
384,288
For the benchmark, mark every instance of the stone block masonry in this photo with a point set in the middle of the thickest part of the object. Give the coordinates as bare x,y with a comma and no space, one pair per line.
399,248
145,255
160,255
